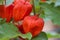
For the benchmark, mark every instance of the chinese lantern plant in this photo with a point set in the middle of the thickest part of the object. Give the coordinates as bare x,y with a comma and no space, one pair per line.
23,25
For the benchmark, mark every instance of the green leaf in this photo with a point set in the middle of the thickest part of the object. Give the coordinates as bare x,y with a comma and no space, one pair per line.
2,21
53,35
41,36
51,12
8,30
28,36
1,1
57,2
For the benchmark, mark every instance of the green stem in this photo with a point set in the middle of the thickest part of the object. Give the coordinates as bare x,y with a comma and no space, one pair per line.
33,7
5,2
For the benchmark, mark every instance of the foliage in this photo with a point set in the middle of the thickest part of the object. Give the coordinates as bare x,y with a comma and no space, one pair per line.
41,36
52,11
1,1
53,35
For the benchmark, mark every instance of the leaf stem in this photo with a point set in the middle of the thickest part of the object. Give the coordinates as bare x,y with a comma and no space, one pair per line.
5,2
33,7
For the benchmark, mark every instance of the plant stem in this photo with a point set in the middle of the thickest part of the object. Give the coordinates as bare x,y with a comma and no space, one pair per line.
33,7
5,2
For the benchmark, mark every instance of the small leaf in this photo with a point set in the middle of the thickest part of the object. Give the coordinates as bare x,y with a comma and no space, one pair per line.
28,36
41,36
